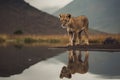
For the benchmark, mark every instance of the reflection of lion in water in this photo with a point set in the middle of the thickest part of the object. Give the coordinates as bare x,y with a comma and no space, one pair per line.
75,25
75,64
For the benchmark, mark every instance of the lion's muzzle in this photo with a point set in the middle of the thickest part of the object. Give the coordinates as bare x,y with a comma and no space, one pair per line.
63,26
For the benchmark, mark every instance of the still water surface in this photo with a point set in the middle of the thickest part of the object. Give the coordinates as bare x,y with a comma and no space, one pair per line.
42,63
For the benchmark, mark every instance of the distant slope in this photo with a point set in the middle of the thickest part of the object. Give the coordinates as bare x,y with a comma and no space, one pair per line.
104,15
18,15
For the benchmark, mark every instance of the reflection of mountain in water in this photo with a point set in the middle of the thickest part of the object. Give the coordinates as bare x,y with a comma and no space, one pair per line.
103,15
14,60
105,63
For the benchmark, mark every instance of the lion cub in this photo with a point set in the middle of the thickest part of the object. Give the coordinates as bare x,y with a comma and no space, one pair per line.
75,26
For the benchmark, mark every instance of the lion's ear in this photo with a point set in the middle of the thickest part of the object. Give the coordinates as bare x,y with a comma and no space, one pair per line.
69,15
61,76
60,15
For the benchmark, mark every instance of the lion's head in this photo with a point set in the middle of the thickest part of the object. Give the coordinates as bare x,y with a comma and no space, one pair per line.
64,19
65,72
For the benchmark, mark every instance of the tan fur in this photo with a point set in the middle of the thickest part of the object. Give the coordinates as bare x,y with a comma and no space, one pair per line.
75,26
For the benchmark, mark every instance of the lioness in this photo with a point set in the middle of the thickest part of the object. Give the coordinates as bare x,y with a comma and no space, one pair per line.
75,26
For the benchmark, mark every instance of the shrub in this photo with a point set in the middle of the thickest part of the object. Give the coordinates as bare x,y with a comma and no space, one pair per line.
2,40
29,40
18,32
110,40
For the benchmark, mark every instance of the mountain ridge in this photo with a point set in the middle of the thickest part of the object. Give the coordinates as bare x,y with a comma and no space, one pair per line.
18,15
104,15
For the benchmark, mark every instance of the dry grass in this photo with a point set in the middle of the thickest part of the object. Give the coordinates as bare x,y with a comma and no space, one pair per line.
51,39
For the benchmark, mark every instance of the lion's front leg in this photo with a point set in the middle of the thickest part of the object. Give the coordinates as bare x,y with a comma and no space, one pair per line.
72,38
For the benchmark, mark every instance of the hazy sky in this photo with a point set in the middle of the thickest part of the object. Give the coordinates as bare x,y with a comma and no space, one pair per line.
48,6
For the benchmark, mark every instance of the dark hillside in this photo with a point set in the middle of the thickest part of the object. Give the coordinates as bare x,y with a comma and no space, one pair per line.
16,15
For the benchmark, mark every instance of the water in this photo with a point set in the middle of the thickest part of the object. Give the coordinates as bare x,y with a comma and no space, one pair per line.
42,63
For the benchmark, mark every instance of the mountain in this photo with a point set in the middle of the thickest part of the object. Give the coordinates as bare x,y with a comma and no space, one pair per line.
16,15
104,15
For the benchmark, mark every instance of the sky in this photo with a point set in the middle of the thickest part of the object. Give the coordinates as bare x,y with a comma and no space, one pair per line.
49,6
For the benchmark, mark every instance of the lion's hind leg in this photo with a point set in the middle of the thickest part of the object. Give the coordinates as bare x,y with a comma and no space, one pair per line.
87,37
79,37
